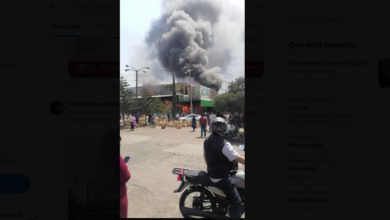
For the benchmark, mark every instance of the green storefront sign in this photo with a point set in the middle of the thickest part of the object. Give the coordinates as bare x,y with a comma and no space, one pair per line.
207,103
200,94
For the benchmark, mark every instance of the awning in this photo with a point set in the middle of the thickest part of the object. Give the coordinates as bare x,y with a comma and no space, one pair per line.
206,103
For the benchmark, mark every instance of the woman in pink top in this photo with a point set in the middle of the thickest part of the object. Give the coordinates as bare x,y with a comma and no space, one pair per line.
133,123
124,177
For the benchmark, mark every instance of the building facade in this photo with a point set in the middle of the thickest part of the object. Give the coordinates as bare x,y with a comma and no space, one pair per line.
202,97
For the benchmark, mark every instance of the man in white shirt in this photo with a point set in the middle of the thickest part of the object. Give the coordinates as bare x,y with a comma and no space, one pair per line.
219,154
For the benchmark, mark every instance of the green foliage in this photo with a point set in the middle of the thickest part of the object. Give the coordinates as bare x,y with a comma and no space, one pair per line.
164,108
238,86
125,96
234,99
146,104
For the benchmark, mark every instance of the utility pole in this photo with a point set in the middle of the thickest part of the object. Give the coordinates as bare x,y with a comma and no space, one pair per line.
136,84
136,76
191,92
173,97
190,88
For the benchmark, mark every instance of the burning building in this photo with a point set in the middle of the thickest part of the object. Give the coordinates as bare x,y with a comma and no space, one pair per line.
202,97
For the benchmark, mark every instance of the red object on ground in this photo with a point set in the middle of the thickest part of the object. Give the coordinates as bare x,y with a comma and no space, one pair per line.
124,177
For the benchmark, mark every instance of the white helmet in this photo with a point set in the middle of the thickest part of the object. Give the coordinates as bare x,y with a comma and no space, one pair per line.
219,125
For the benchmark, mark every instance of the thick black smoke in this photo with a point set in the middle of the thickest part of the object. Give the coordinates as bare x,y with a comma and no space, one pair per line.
181,38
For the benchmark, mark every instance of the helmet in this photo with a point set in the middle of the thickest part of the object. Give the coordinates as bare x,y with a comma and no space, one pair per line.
219,125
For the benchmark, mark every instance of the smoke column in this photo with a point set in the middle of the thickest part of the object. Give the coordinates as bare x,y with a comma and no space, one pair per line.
182,37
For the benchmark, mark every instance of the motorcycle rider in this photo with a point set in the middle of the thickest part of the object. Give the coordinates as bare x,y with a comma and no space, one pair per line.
219,154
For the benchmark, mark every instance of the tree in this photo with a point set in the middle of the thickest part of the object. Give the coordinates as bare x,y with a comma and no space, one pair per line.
148,104
224,102
234,99
237,86
125,96
164,108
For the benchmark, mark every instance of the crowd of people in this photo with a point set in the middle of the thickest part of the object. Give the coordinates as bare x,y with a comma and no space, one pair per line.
236,119
134,119
218,156
204,121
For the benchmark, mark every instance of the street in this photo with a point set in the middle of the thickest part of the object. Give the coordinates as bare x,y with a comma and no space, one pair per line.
154,153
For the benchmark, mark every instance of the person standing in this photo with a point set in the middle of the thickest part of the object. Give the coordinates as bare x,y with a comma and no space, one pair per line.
133,123
219,114
226,116
193,123
152,119
137,117
203,124
241,120
124,178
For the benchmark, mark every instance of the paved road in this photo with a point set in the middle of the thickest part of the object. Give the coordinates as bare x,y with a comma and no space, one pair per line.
154,153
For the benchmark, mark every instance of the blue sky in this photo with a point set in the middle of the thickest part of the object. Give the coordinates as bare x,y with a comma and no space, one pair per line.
136,17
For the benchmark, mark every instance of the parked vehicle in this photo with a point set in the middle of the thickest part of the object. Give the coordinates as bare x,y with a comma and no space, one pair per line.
189,117
231,132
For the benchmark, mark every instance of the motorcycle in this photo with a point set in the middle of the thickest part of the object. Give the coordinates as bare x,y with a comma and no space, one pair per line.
231,131
200,198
